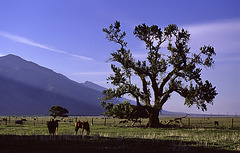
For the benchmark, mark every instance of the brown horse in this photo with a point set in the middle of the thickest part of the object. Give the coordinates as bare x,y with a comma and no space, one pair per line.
84,125
52,126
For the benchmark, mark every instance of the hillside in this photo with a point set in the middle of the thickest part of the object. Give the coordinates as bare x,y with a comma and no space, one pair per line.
29,89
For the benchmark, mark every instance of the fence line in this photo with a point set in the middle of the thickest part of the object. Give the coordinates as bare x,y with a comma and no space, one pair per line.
225,122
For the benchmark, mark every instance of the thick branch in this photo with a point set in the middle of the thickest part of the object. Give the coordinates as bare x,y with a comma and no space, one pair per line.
165,97
145,90
165,80
155,89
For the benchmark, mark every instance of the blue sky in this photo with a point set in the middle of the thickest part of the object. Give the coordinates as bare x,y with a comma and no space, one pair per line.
66,36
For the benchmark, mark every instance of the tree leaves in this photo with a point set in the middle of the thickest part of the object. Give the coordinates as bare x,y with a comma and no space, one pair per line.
177,71
200,94
113,34
58,111
120,110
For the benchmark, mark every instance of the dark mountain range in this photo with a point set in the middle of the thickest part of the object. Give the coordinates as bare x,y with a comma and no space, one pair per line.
29,89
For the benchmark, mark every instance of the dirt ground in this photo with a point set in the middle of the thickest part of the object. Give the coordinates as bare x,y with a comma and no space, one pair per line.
95,144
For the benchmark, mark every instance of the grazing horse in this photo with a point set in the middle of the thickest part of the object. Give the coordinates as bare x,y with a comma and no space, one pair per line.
84,125
52,126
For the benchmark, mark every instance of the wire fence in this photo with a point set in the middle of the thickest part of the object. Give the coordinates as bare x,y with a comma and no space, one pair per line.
206,122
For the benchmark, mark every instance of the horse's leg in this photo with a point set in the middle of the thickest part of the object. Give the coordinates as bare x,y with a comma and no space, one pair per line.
76,129
88,132
56,130
82,130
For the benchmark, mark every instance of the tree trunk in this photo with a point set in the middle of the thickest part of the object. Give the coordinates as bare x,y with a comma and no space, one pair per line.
153,121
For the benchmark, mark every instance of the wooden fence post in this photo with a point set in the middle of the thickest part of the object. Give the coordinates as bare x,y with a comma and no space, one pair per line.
6,120
92,121
189,122
105,122
34,119
232,122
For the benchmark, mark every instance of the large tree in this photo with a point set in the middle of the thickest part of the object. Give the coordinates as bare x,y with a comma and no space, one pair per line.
166,69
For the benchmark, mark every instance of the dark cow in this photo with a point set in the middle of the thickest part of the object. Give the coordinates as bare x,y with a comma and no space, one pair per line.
124,121
20,121
216,123
83,125
52,126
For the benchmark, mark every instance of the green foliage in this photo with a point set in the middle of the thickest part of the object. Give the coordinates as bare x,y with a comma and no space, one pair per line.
58,111
163,72
120,110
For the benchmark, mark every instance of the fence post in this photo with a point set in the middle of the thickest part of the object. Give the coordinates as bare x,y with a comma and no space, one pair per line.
6,120
232,122
105,122
92,121
188,122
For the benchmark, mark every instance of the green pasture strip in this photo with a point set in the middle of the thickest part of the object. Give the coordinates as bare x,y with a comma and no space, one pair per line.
202,132
223,138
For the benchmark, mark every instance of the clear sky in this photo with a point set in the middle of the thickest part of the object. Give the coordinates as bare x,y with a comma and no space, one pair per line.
66,36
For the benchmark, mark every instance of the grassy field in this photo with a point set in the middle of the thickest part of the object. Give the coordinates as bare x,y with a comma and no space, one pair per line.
201,131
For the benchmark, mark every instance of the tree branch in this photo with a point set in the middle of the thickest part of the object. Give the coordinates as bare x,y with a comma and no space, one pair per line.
165,80
145,90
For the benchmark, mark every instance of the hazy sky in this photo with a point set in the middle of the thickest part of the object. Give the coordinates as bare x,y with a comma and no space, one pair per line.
66,36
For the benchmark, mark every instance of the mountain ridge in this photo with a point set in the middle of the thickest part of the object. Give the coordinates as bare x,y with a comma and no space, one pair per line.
27,88
94,86
28,78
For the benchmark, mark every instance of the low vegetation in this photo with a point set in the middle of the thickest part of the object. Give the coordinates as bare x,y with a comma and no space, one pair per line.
194,131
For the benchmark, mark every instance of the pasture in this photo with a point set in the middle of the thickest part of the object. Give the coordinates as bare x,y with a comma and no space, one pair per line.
193,132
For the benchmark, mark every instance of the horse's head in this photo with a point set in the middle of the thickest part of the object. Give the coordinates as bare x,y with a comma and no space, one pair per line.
85,126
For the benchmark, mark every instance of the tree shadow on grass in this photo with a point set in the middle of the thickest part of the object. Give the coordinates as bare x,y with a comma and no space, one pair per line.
97,144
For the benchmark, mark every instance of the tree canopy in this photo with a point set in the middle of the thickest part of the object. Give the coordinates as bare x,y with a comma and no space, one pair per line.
58,111
120,110
166,69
